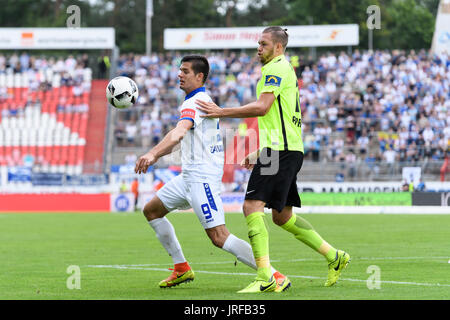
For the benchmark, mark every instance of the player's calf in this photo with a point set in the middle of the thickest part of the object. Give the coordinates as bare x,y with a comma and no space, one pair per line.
218,235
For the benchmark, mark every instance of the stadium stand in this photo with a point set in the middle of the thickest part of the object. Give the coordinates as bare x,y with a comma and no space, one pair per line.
44,113
364,114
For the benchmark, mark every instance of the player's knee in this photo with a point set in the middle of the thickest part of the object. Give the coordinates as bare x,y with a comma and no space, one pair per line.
281,217
248,208
151,212
251,206
276,220
245,208
148,213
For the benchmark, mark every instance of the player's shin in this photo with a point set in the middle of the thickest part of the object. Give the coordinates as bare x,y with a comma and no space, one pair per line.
259,241
165,233
242,251
303,231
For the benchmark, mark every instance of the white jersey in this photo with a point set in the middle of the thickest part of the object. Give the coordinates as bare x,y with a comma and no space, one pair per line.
202,152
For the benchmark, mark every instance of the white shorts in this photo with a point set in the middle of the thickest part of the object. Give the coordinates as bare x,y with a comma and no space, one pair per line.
203,197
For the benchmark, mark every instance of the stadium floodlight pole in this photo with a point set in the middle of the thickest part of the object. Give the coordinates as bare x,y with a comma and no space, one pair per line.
312,50
148,27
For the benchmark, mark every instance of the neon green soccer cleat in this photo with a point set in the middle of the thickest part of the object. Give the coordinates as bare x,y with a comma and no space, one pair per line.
177,278
335,267
259,286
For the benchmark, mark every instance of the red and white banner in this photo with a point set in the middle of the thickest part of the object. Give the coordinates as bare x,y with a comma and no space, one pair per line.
55,202
247,37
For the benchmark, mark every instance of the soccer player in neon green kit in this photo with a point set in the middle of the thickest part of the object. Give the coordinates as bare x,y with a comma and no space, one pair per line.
276,164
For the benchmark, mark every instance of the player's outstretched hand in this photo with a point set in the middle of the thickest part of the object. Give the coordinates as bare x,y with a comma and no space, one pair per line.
144,162
210,109
250,160
246,163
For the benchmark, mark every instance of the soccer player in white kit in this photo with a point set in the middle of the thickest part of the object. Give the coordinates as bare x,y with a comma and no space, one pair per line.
198,186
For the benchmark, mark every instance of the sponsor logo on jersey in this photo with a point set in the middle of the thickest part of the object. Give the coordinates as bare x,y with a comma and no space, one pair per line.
272,81
216,148
188,113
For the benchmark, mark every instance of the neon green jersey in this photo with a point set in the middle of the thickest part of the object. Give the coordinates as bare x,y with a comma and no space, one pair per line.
280,128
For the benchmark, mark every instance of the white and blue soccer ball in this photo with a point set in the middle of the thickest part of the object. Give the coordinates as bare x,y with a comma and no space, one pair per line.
122,92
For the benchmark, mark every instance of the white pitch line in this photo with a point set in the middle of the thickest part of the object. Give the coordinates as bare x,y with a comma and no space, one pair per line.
126,267
373,258
292,260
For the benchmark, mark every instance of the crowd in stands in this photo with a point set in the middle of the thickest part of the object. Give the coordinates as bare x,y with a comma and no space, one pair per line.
70,67
384,105
41,73
390,106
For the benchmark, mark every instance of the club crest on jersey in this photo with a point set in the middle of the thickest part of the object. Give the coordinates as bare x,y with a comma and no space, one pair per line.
272,81
188,113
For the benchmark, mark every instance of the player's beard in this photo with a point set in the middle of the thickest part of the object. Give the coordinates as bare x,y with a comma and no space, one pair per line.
267,57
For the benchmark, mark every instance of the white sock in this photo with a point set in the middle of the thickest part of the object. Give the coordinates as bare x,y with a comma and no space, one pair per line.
242,250
166,235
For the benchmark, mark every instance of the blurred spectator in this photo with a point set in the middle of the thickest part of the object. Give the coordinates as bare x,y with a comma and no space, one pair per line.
241,177
372,165
119,133
131,130
389,156
130,159
350,161
421,186
405,186
146,131
135,191
123,187
103,66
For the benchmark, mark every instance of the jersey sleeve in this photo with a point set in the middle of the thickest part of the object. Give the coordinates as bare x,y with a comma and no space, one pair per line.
272,79
189,110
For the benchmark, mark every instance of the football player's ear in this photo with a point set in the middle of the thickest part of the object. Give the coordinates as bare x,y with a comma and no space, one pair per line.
200,77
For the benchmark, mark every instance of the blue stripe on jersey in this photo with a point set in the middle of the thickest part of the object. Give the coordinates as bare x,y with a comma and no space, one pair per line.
186,118
212,204
192,93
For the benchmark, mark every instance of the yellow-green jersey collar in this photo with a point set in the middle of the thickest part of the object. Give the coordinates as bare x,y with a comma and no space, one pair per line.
275,59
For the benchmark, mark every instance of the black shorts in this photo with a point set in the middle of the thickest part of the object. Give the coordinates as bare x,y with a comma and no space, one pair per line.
274,179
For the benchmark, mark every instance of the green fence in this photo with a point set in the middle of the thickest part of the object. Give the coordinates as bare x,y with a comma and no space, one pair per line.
356,199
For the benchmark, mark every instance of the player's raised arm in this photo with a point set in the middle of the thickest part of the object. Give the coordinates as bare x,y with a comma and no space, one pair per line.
253,109
164,147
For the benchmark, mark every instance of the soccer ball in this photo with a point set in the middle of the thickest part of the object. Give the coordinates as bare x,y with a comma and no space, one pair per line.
122,92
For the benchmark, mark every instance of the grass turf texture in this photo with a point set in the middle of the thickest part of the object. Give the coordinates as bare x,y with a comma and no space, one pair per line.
36,249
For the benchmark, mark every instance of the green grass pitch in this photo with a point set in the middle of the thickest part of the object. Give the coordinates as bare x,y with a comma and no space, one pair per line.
119,257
